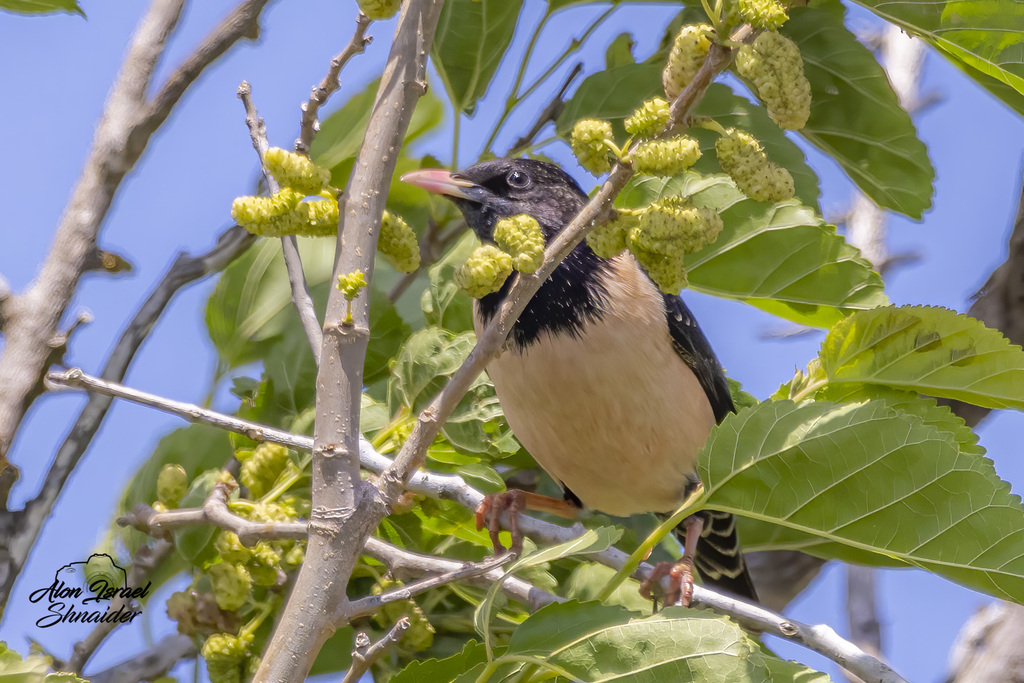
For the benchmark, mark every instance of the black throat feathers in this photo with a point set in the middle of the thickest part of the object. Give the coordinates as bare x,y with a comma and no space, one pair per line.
569,299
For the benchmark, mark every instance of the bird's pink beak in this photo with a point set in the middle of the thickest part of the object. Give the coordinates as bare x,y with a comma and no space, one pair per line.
438,181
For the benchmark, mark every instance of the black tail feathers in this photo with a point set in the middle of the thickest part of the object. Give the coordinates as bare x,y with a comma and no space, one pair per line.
719,559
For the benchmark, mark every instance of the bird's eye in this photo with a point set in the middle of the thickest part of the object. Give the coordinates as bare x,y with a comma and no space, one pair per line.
517,179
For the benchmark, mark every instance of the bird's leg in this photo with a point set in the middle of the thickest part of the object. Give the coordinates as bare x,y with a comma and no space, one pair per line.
680,583
488,513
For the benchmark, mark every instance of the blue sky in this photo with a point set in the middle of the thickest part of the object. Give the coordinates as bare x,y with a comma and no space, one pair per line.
58,72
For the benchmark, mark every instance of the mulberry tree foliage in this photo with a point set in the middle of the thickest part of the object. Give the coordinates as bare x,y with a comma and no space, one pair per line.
722,202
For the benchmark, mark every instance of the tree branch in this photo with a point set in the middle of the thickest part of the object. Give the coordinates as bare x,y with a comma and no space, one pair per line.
243,22
401,562
342,518
308,124
31,318
123,132
820,638
23,527
149,665
301,297
365,654
372,603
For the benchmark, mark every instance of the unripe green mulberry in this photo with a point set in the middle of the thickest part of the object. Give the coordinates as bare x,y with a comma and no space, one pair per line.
521,237
230,548
742,157
379,9
263,565
589,141
666,157
485,271
649,119
668,272
255,214
272,511
181,607
610,239
171,484
397,243
287,213
774,65
766,14
296,171
673,226
261,468
420,634
231,583
225,657
295,555
101,573
688,52
318,217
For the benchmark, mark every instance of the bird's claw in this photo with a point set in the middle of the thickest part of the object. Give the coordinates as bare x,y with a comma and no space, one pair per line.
680,583
488,514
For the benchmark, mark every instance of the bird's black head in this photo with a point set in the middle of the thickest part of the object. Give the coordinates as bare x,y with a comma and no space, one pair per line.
501,188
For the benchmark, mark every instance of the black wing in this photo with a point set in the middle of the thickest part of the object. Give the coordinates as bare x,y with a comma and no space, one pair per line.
718,559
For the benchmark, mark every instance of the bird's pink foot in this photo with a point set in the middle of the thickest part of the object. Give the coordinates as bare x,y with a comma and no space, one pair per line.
488,514
680,583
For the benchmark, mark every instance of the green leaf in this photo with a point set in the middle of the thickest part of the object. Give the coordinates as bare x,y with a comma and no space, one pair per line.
733,111
940,506
611,95
250,317
197,448
856,117
41,6
477,425
426,360
561,623
933,351
589,578
780,258
342,133
591,541
448,669
251,305
620,50
985,35
675,645
472,36
442,303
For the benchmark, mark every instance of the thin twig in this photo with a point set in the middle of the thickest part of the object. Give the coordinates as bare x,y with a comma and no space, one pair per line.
548,114
365,654
149,665
243,22
308,124
301,297
215,511
821,638
372,603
